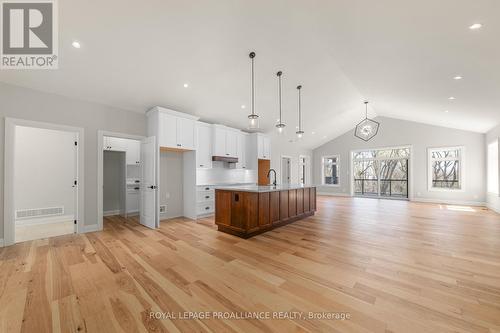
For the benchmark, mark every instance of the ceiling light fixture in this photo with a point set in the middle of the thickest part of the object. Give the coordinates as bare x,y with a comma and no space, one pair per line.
280,125
253,119
186,85
451,98
243,106
458,77
313,133
367,128
76,44
476,26
446,111
300,132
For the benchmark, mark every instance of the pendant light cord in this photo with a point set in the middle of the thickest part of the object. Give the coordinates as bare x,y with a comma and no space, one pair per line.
366,109
252,56
300,109
279,92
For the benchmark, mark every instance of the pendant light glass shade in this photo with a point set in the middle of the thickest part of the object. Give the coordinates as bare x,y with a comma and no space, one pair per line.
300,132
253,119
280,125
367,128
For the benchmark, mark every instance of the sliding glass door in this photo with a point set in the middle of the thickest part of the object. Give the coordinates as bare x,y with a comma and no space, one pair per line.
381,173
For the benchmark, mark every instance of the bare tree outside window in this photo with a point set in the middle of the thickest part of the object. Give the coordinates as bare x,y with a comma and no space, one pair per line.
382,172
445,168
330,170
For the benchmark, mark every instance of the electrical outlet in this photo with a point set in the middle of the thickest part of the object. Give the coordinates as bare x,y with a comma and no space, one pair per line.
163,209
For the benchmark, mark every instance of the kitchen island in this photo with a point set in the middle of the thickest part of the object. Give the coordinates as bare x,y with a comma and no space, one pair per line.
246,211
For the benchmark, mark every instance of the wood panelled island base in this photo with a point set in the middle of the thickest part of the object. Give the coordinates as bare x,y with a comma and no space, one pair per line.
250,210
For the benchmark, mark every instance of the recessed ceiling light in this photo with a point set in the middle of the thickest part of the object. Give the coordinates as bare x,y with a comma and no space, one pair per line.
76,44
476,26
451,98
458,77
186,85
324,137
243,106
446,111
313,133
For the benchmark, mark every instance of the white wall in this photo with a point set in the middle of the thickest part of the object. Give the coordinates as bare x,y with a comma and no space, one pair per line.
171,183
280,146
44,169
113,182
493,200
394,132
17,102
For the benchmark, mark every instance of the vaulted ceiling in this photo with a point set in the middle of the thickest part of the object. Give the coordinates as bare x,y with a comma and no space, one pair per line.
400,55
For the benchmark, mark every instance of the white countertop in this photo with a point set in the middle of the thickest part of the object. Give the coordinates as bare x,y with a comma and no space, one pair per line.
260,188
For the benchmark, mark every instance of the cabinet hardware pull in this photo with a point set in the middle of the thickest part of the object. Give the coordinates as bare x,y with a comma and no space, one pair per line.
207,188
207,208
207,196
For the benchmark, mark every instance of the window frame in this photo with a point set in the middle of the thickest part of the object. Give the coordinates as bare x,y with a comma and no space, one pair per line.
488,192
337,163
461,170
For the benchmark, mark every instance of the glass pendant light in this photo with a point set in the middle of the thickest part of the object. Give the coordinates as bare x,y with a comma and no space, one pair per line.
300,132
367,128
253,119
280,125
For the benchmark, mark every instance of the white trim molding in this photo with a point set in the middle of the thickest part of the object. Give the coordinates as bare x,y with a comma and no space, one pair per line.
1,242
334,194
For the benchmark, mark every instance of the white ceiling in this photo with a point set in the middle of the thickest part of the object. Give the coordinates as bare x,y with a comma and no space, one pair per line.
400,55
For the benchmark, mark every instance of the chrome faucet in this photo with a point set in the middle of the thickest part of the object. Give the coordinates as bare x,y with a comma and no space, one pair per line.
269,173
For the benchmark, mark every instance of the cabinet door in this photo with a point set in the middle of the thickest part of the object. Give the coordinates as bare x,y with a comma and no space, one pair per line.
219,146
133,152
204,147
168,131
242,150
117,144
186,133
266,148
231,144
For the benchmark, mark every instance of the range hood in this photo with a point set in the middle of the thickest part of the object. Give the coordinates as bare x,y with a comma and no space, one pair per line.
225,159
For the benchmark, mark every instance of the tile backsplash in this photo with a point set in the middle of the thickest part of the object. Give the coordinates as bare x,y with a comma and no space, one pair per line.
219,174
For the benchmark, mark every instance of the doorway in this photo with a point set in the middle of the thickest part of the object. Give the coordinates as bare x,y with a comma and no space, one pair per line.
381,173
119,176
304,168
43,170
286,169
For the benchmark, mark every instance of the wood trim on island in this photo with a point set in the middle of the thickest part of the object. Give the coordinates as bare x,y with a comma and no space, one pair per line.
246,214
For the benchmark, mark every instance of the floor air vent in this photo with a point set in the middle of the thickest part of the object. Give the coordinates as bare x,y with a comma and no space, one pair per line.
39,212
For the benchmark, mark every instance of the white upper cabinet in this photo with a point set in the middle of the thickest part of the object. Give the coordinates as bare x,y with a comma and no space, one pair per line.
115,144
204,146
174,129
242,151
225,141
133,155
168,131
263,147
186,133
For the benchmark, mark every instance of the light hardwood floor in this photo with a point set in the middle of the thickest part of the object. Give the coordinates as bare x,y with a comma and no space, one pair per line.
393,266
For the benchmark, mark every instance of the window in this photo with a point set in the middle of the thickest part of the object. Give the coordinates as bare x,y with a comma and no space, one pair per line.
493,168
330,170
446,168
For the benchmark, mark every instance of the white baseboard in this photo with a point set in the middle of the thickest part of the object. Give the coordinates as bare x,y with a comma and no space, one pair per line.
334,194
91,228
1,242
45,220
111,213
493,208
450,202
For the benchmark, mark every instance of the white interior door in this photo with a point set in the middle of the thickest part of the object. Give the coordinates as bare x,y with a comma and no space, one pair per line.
148,182
285,170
